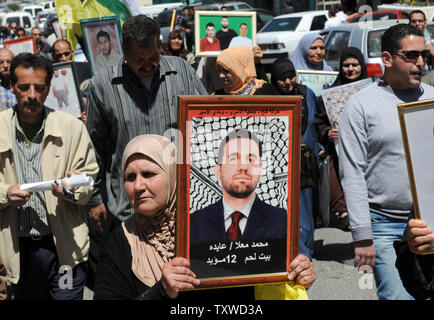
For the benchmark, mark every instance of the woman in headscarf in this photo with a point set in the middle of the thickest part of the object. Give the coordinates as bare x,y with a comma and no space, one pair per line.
175,47
309,53
283,77
138,259
236,69
352,68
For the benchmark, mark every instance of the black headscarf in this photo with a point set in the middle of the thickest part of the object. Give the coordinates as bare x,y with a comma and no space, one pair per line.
350,52
280,67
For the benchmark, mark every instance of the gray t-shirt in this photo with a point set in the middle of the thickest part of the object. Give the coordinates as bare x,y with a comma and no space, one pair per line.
372,162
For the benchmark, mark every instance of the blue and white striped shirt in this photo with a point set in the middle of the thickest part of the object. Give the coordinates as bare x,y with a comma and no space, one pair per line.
33,215
7,98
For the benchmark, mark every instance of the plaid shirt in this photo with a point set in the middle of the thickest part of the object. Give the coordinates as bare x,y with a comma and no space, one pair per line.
7,98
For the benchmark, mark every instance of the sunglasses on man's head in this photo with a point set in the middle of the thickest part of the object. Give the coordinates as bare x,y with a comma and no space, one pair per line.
414,54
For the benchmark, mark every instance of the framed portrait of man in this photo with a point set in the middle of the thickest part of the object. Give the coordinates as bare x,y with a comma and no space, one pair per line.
64,92
219,30
102,40
21,45
238,187
417,128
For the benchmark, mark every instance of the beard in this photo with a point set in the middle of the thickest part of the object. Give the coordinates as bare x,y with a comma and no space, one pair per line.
240,190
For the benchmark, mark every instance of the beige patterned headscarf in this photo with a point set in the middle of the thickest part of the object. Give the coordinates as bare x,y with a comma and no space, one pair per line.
241,63
152,239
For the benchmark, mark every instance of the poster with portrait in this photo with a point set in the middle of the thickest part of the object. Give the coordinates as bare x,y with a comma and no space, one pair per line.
238,187
317,81
21,45
217,30
417,128
335,98
64,92
102,40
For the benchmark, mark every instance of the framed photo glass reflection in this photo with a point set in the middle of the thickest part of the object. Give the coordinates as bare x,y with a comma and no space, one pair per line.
102,39
417,128
64,92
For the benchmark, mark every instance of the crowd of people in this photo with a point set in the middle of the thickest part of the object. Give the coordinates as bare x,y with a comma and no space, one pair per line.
117,237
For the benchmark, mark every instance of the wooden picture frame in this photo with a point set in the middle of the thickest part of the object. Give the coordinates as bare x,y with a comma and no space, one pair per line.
417,127
235,19
21,45
317,81
261,255
101,55
64,92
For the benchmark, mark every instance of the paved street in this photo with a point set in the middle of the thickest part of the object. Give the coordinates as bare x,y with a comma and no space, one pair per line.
337,279
333,261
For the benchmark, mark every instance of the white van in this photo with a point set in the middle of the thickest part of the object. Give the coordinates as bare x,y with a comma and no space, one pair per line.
48,5
33,10
23,19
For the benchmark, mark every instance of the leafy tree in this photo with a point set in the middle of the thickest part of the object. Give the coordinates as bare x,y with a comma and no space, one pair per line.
13,6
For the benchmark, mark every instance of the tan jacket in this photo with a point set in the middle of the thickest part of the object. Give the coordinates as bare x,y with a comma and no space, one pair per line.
66,147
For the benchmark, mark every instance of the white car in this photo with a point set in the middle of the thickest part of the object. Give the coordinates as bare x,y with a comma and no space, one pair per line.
24,19
152,11
279,37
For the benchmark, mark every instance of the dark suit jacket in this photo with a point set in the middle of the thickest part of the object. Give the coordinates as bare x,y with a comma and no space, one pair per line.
264,222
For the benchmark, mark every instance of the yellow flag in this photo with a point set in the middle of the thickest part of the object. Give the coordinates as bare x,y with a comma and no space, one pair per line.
70,12
280,291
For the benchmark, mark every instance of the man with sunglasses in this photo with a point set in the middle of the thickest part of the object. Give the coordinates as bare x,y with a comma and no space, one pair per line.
44,239
62,52
372,164
418,19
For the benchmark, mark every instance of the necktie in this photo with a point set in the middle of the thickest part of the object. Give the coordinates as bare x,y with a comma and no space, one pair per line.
234,231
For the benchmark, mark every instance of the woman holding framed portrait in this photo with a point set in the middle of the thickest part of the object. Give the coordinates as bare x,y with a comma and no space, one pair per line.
138,260
352,68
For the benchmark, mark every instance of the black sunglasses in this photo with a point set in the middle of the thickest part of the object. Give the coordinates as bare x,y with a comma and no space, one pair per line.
414,54
59,55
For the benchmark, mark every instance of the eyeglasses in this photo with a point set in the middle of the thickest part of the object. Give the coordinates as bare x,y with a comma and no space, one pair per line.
61,54
24,87
417,21
414,54
37,34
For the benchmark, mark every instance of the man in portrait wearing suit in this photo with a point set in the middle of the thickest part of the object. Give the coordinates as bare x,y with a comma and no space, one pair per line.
240,215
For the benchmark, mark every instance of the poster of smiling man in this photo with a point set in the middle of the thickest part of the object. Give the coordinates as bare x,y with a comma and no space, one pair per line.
238,221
